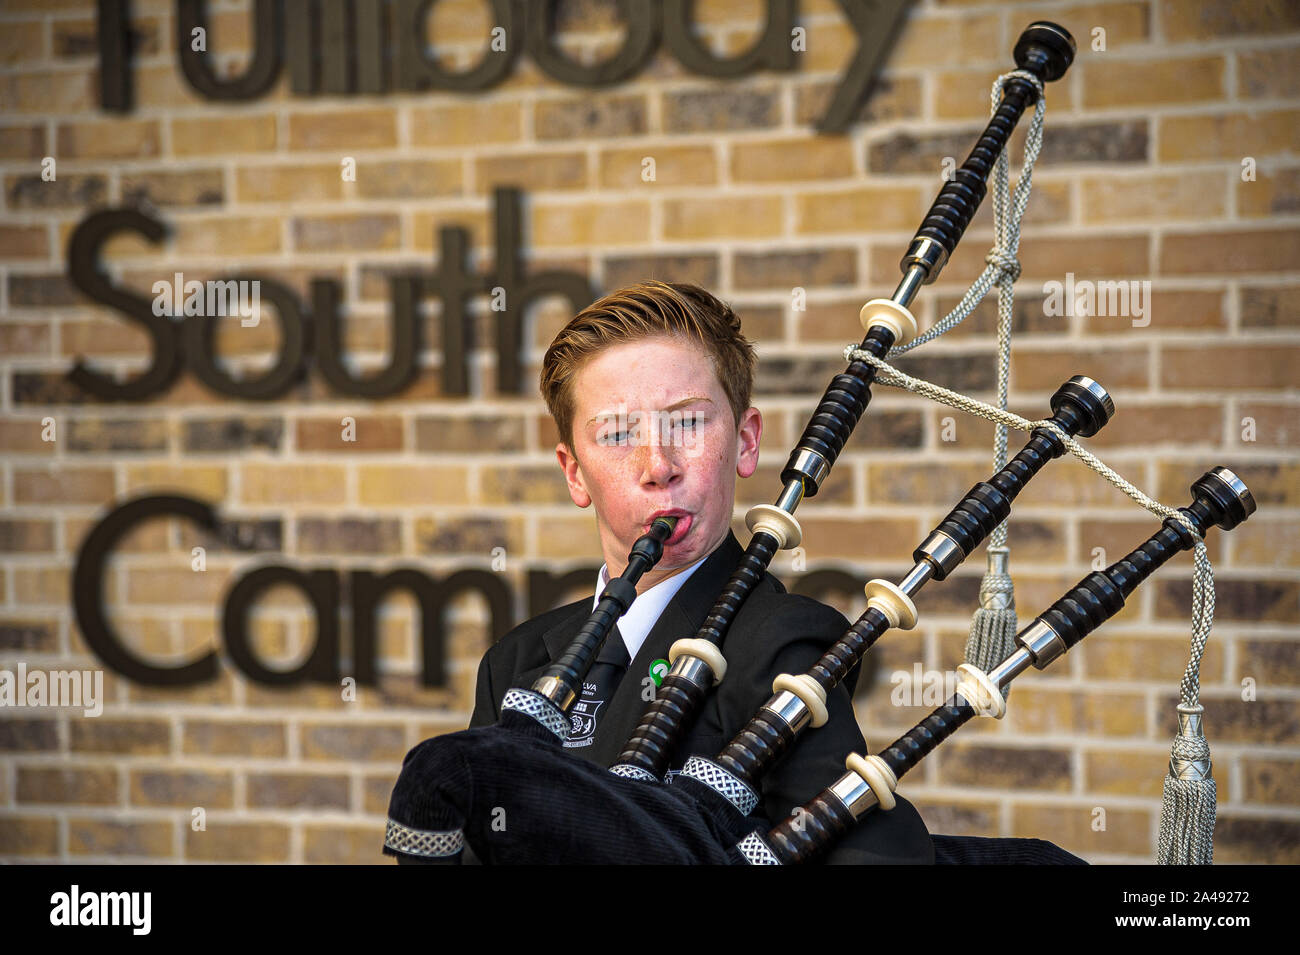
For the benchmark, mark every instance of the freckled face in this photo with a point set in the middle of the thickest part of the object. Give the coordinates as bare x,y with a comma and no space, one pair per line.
653,432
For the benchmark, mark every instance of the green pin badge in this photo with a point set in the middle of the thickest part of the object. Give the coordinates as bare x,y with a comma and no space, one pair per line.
659,670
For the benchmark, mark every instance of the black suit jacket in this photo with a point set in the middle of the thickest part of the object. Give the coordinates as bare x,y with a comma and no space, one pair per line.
774,632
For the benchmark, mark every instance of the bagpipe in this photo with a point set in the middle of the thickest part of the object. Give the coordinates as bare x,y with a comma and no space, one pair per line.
561,808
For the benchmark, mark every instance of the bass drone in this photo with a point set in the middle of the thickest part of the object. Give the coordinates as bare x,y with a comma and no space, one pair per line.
565,809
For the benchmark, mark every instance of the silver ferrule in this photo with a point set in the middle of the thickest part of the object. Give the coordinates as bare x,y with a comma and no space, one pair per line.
927,254
554,690
1191,725
693,669
852,790
790,496
943,552
1190,768
1044,643
996,592
789,708
913,279
1017,663
1191,720
810,463
916,578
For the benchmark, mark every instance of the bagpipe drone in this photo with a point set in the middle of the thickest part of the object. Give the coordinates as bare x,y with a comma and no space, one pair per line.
565,809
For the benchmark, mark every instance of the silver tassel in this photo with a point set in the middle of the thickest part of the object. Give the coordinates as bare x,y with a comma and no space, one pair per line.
1188,809
993,627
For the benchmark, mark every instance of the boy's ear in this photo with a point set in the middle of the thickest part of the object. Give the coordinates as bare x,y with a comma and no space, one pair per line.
747,438
572,475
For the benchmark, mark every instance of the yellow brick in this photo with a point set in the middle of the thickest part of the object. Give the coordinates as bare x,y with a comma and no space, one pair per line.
466,124
866,209
22,41
673,166
1076,828
1268,73
207,482
172,584
1229,135
225,135
238,842
456,21
231,337
24,242
1144,82
110,837
288,183
783,160
109,139
163,85
23,435
230,32
1141,198
343,845
103,337
346,232
44,585
313,483
63,485
1216,19
410,179
974,38
399,484
344,130
590,223
1269,544
1051,711
28,836
235,236
370,433
739,217
1118,772
1124,23
1273,192
55,92
830,46
532,171
569,538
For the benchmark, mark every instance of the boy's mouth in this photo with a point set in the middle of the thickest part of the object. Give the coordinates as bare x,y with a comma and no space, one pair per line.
683,524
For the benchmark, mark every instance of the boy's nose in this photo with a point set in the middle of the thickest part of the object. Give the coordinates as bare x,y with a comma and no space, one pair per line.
660,463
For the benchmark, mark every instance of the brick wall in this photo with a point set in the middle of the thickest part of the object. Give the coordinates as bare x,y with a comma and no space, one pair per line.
1146,175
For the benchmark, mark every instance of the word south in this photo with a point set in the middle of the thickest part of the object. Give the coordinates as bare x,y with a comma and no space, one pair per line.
102,908
84,688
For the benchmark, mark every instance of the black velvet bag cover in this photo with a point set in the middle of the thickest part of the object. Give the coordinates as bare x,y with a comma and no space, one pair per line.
520,798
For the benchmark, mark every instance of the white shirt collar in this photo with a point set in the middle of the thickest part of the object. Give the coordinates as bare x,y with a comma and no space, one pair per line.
635,625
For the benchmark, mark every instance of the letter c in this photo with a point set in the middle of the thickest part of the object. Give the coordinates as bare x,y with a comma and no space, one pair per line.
88,591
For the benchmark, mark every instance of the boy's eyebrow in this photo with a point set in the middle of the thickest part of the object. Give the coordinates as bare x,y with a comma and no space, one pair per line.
689,400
